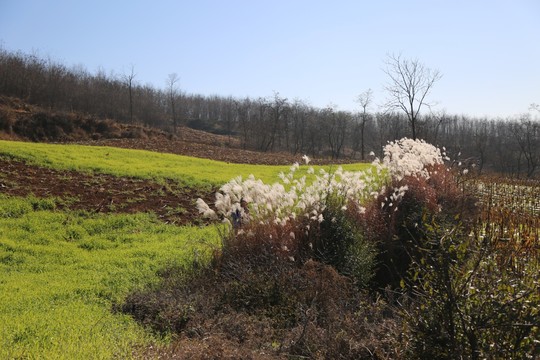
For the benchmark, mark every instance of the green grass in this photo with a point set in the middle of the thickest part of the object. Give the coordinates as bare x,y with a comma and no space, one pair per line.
189,171
61,273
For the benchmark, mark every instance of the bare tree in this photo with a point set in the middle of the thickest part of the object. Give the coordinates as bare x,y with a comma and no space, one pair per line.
278,110
129,82
527,135
261,125
243,110
172,89
299,119
480,139
409,84
338,123
364,99
435,123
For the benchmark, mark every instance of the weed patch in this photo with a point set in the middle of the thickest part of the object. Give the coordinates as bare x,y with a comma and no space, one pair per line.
267,307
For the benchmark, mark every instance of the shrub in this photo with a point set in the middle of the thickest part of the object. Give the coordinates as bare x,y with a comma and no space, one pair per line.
301,257
7,119
463,303
398,214
390,222
339,242
266,305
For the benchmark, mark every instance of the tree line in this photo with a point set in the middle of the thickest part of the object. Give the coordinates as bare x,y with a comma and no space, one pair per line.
274,123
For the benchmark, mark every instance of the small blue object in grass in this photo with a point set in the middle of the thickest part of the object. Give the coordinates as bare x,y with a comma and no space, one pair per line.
237,214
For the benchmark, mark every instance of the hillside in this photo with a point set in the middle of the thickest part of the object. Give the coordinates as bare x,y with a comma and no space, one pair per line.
24,122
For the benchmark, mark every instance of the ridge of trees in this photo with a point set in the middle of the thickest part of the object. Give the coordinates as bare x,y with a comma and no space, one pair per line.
509,146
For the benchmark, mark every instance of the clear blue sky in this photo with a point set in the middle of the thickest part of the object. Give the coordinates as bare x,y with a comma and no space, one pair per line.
321,52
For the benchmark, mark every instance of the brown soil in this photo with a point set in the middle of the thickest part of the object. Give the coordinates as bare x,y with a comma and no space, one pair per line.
200,150
103,193
209,146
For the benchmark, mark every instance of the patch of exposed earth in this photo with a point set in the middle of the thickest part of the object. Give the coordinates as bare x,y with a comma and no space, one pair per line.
102,193
212,147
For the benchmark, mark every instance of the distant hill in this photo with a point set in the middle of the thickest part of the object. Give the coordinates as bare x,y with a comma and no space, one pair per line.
21,121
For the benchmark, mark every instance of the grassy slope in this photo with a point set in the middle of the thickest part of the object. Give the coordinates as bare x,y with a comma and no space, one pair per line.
60,273
191,171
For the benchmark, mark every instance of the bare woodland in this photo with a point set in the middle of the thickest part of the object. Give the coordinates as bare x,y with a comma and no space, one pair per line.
509,146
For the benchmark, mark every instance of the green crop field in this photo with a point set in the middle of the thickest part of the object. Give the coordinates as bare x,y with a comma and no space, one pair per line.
61,273
192,172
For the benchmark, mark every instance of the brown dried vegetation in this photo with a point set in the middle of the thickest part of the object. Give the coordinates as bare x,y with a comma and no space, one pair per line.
257,304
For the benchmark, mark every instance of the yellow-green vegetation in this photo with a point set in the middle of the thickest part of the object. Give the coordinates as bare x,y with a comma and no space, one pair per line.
61,273
192,172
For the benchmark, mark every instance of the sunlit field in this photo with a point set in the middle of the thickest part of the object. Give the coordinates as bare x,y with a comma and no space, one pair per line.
61,273
189,171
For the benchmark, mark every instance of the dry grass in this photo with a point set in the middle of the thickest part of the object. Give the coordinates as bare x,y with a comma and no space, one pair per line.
254,302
